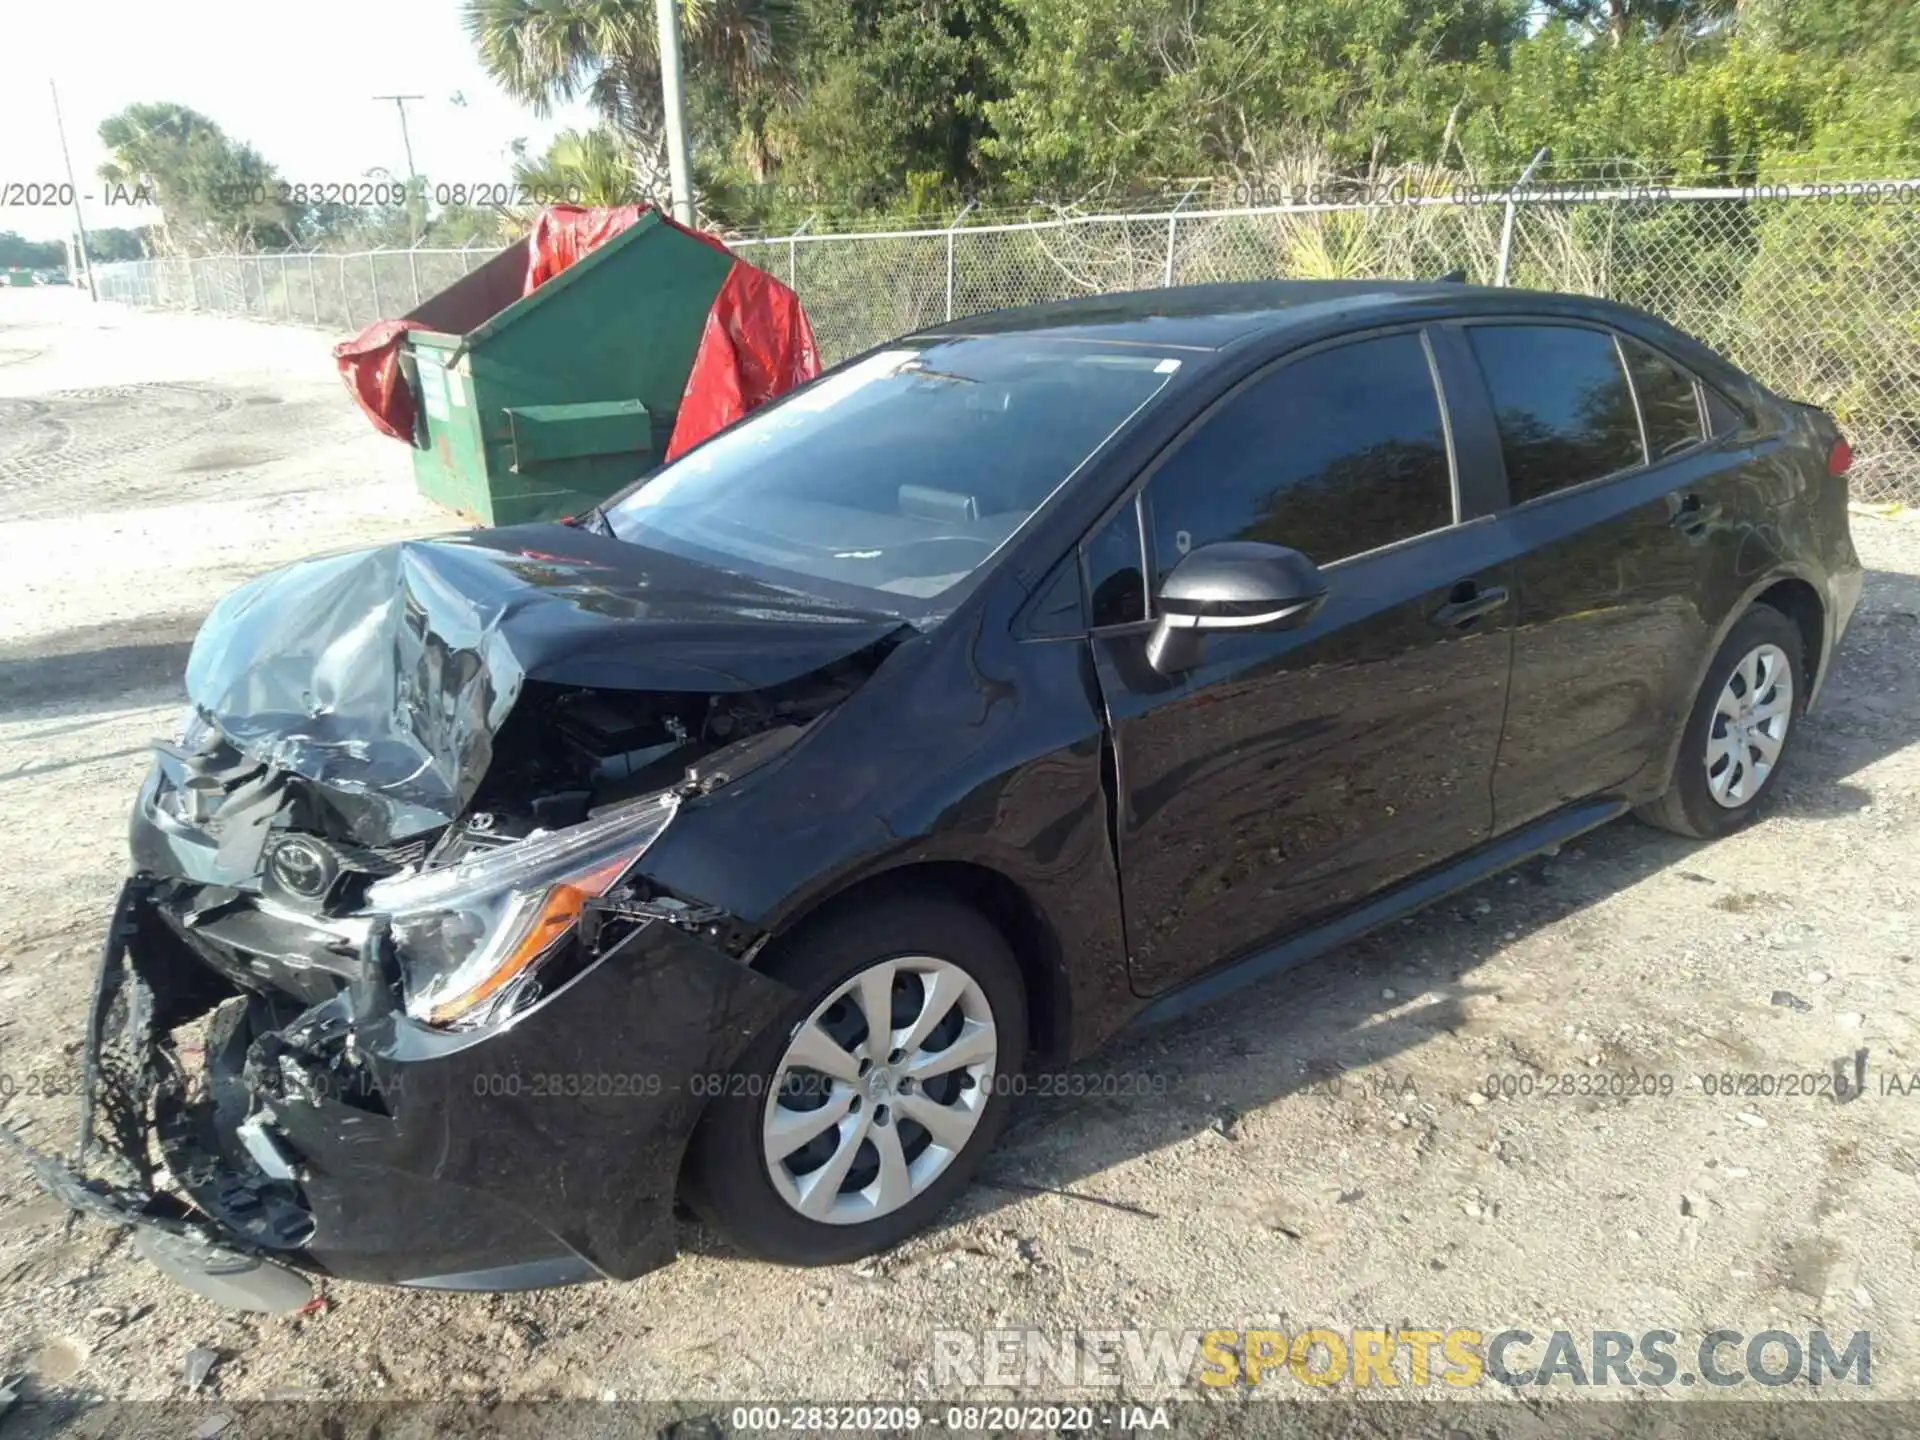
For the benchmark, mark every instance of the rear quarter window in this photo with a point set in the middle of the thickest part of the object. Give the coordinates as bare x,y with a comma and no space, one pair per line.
1722,416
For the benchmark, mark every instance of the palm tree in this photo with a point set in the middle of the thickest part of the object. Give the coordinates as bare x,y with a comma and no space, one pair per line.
547,52
586,167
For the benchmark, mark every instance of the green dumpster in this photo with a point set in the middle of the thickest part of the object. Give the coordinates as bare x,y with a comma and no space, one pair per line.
534,407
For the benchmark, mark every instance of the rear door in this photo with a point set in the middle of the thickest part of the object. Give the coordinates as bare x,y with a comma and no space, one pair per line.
1291,774
1615,503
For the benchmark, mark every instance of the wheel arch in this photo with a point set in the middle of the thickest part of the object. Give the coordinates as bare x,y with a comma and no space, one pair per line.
1793,594
1800,602
1005,903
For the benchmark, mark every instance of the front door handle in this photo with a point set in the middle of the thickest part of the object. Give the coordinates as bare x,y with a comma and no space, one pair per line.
1469,604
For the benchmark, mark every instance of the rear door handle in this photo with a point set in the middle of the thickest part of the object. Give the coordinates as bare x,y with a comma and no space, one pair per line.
1694,515
1470,605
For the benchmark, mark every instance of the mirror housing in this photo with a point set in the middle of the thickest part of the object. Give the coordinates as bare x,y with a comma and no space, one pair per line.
1231,585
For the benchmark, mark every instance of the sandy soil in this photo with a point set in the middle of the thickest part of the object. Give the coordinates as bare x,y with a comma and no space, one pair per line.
1317,1154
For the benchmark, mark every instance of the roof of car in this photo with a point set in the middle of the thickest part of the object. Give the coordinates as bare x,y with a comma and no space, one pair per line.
1212,317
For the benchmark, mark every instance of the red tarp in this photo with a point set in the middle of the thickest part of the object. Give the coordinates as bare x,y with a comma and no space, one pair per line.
370,364
564,233
756,344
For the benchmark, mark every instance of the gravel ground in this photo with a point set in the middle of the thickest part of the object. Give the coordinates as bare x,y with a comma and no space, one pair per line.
1317,1153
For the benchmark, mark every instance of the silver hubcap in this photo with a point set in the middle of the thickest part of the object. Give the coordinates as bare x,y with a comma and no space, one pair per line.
879,1089
1749,726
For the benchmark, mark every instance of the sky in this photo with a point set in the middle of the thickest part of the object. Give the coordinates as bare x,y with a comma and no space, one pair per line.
295,81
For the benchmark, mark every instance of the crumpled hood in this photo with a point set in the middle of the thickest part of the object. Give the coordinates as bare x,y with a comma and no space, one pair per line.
388,672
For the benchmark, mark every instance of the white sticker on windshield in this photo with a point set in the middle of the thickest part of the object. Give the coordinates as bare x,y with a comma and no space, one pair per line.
1166,367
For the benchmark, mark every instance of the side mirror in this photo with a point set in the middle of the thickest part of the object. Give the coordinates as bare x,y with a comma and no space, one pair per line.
1232,585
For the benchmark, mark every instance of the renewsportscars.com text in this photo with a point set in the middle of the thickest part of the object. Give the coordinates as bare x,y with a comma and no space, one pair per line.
1456,1357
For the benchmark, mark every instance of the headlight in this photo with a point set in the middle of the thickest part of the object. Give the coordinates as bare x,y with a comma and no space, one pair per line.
466,936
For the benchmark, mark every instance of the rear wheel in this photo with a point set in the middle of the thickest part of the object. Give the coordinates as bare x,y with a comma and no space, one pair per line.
1738,734
860,1113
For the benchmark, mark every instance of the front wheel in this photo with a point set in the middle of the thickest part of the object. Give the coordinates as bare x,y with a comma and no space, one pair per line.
1738,733
858,1115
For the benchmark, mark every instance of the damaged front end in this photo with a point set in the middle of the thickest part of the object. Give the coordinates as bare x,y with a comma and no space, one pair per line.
452,1035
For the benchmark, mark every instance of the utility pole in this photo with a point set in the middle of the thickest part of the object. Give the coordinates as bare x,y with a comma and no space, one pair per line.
79,225
400,104
406,140
673,105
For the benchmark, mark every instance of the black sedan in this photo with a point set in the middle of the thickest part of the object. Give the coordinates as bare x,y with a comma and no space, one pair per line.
1027,678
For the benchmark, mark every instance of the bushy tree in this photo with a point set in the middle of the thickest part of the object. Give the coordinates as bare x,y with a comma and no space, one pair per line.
892,102
1107,95
116,243
19,253
214,193
1648,108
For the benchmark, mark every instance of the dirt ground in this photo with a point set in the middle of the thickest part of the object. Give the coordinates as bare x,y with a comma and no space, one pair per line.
1318,1154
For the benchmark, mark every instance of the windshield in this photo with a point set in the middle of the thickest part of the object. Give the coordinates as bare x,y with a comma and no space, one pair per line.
900,474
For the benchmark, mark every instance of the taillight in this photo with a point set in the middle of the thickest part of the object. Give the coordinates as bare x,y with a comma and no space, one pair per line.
1839,458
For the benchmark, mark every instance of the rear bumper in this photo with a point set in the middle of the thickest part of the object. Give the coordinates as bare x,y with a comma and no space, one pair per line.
354,1142
1844,586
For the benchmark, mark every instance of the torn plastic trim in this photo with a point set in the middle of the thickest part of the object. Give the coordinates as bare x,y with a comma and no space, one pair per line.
393,1170
131,1072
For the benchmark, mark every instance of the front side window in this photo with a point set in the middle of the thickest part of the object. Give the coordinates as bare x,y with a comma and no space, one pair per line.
894,479
1562,404
1339,452
1667,403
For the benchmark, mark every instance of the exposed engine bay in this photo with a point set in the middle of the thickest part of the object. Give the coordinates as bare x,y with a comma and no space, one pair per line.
563,755
432,767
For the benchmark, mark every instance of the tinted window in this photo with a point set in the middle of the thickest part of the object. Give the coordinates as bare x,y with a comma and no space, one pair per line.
1561,399
1057,607
1337,453
894,477
1721,415
1667,403
1114,578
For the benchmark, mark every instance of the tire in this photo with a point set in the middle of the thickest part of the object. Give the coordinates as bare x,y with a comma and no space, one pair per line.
731,1180
1691,807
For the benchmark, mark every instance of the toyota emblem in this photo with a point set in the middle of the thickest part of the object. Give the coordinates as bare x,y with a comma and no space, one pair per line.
302,867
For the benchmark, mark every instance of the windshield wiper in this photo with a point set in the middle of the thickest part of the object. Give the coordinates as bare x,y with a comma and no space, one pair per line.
594,522
918,370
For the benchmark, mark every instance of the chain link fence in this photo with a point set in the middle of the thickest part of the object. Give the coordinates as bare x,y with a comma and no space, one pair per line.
1814,288
335,292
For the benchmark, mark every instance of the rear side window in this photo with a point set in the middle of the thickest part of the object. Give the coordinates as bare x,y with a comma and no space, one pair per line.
1667,402
1337,453
1722,418
1561,400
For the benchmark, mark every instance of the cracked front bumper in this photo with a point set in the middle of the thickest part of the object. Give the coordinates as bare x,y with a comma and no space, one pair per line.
352,1141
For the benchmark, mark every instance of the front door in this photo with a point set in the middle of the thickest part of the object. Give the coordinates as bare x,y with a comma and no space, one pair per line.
1291,774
